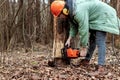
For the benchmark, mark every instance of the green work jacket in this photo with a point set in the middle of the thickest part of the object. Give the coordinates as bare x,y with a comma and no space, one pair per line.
95,15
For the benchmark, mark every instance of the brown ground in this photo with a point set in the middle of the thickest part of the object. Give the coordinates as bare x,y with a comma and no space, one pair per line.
18,65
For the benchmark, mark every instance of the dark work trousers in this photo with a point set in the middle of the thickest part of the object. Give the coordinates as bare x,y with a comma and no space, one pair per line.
97,39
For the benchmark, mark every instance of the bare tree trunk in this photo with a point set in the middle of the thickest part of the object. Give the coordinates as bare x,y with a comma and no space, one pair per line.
60,35
28,27
4,30
4,11
116,5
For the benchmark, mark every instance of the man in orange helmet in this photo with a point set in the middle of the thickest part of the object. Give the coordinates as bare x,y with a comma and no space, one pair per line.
92,19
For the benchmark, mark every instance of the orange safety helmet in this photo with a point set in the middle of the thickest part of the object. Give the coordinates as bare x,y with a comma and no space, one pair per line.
57,7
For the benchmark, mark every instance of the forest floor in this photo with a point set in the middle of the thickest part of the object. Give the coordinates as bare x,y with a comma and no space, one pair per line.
18,65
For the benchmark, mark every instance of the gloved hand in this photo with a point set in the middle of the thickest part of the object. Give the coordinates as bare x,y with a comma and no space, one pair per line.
68,41
83,51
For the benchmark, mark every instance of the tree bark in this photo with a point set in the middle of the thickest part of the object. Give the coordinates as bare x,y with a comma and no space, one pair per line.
60,36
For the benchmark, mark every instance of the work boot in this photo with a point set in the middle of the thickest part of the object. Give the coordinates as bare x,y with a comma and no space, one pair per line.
100,71
84,62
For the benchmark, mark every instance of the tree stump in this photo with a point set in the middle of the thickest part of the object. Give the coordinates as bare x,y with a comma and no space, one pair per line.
61,29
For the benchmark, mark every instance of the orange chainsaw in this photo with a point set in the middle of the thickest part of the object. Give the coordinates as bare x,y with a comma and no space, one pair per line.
70,53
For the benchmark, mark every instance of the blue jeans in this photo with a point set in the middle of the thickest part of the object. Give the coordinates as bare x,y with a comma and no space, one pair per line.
97,38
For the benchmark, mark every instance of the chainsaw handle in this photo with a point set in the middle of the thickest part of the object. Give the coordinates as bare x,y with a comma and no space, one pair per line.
66,46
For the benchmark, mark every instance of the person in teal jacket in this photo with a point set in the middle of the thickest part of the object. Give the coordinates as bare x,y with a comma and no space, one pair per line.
91,19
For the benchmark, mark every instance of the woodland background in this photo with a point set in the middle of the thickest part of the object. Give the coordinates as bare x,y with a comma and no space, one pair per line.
29,22
25,24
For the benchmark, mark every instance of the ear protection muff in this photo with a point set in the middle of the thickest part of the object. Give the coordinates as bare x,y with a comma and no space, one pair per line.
65,11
